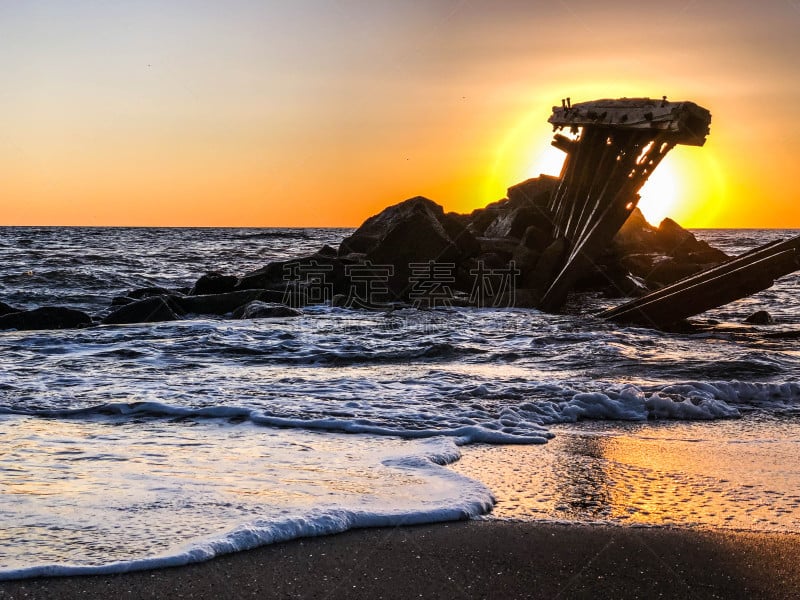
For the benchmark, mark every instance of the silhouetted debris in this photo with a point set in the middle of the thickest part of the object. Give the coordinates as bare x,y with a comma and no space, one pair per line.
736,278
617,146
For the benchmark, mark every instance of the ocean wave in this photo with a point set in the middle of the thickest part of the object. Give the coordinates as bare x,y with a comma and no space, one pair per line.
480,414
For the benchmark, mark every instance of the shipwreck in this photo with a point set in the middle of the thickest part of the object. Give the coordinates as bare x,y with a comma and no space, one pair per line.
616,146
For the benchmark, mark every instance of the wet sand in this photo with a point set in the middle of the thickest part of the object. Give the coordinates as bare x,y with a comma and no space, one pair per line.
476,559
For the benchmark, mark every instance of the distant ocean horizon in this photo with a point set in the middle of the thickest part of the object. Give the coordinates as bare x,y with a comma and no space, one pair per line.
137,446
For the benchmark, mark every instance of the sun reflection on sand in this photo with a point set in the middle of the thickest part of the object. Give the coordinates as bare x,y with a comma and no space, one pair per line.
736,475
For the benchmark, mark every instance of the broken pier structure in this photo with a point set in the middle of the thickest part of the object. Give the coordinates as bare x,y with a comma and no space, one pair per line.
616,146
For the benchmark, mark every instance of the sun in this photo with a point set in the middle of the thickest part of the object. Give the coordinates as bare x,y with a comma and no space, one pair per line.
661,196
661,193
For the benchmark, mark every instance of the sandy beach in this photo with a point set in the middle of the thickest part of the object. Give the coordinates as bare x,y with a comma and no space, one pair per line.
476,559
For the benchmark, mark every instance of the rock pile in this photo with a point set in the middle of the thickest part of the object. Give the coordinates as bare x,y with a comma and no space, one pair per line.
415,253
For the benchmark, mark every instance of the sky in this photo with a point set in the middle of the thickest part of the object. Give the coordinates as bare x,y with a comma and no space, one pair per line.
321,113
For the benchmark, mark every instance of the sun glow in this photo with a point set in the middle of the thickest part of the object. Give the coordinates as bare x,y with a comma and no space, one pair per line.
661,193
547,160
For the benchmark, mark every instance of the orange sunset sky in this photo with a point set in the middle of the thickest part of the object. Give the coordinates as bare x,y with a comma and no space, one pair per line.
320,113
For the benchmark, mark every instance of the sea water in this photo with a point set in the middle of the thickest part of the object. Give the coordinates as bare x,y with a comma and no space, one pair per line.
127,447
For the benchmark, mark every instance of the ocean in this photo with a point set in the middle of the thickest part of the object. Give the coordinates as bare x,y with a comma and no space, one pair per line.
139,446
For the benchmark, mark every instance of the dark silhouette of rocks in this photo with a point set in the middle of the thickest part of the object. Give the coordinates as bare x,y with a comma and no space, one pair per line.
45,317
5,309
514,233
148,292
216,304
760,317
153,309
214,283
504,254
265,310
642,257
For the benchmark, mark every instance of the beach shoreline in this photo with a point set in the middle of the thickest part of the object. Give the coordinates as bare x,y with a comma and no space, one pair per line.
472,559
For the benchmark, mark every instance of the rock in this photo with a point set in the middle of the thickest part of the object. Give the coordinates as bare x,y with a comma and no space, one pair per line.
214,283
669,271
670,235
525,206
760,317
327,250
264,310
416,230
417,241
480,219
148,292
656,256
636,236
640,265
502,247
535,238
525,260
550,261
46,317
147,310
512,224
327,273
216,304
5,309
535,193
121,300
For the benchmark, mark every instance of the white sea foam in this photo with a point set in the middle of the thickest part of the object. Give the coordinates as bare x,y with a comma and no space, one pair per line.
170,494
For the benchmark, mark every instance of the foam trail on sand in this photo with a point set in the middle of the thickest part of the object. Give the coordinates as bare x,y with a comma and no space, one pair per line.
157,497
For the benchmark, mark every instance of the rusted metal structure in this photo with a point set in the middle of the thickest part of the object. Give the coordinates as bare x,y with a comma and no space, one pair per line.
737,278
616,145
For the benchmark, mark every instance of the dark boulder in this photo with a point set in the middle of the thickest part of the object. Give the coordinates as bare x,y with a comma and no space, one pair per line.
537,239
148,292
46,317
322,274
671,236
760,317
502,247
5,309
264,310
514,223
415,230
636,236
670,270
656,256
549,263
216,304
526,205
535,193
417,241
121,300
153,309
674,240
327,250
214,283
479,220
